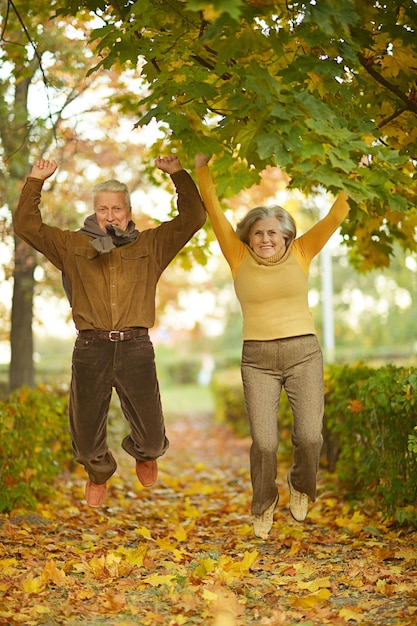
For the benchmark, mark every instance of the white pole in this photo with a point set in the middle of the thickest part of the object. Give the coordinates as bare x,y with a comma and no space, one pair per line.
326,271
327,303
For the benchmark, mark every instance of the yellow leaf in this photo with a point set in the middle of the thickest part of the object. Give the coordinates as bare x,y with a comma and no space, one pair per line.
316,83
86,594
204,567
401,57
190,510
239,566
8,566
114,601
315,585
40,609
96,565
354,523
144,532
165,543
278,618
52,574
307,602
249,559
210,14
5,563
112,563
295,548
33,585
157,580
408,554
382,587
198,488
351,614
6,614
209,595
245,529
134,556
178,554
180,534
105,566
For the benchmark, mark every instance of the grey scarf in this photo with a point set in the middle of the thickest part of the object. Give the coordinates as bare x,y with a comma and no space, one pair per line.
113,238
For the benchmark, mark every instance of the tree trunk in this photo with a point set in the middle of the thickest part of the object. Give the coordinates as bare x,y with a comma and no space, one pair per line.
22,371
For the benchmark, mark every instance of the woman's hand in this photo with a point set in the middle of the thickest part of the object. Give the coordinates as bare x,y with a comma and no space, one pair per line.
201,160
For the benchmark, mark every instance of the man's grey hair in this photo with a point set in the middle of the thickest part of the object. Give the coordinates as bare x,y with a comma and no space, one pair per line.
112,185
286,223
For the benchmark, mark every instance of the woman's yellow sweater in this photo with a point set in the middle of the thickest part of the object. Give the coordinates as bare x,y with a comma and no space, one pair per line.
273,293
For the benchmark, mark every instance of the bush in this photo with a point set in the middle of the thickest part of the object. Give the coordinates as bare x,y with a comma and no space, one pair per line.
373,427
35,445
182,371
229,401
338,379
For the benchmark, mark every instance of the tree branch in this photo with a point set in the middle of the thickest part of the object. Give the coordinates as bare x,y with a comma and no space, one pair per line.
411,106
38,56
389,119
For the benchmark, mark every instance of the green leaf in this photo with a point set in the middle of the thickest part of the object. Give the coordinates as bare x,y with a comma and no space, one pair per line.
231,7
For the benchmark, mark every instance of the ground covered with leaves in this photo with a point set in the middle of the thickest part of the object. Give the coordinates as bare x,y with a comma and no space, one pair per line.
183,552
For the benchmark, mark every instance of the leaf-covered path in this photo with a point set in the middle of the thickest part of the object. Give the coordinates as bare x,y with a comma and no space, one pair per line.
184,553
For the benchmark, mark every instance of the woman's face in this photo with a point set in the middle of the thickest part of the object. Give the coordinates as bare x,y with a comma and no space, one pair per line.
265,237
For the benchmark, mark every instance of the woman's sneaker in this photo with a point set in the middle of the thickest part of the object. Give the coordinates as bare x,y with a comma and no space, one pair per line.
298,502
262,524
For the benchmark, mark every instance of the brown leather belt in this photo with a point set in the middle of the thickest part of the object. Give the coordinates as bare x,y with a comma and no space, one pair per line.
115,335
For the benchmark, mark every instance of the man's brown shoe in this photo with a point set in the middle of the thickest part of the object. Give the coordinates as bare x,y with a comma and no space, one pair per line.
147,472
95,494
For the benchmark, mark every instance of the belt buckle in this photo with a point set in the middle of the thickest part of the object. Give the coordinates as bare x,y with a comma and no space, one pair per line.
116,335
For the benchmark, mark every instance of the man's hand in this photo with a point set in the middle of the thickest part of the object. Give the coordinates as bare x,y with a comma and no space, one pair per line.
43,169
169,164
201,160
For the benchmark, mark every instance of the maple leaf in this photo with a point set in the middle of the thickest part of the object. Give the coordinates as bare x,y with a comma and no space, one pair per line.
8,566
210,595
52,574
113,600
315,585
409,554
157,580
352,613
311,599
180,534
353,523
204,567
278,618
144,532
134,556
355,406
33,585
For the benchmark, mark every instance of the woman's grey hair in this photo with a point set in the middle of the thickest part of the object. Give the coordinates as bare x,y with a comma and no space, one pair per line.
287,224
112,185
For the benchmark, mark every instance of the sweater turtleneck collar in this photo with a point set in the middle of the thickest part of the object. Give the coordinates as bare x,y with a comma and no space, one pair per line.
276,259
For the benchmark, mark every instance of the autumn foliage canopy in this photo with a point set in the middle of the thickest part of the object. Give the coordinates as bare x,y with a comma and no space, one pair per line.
310,87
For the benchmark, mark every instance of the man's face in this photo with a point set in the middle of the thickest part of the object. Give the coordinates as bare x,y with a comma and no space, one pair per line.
112,209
